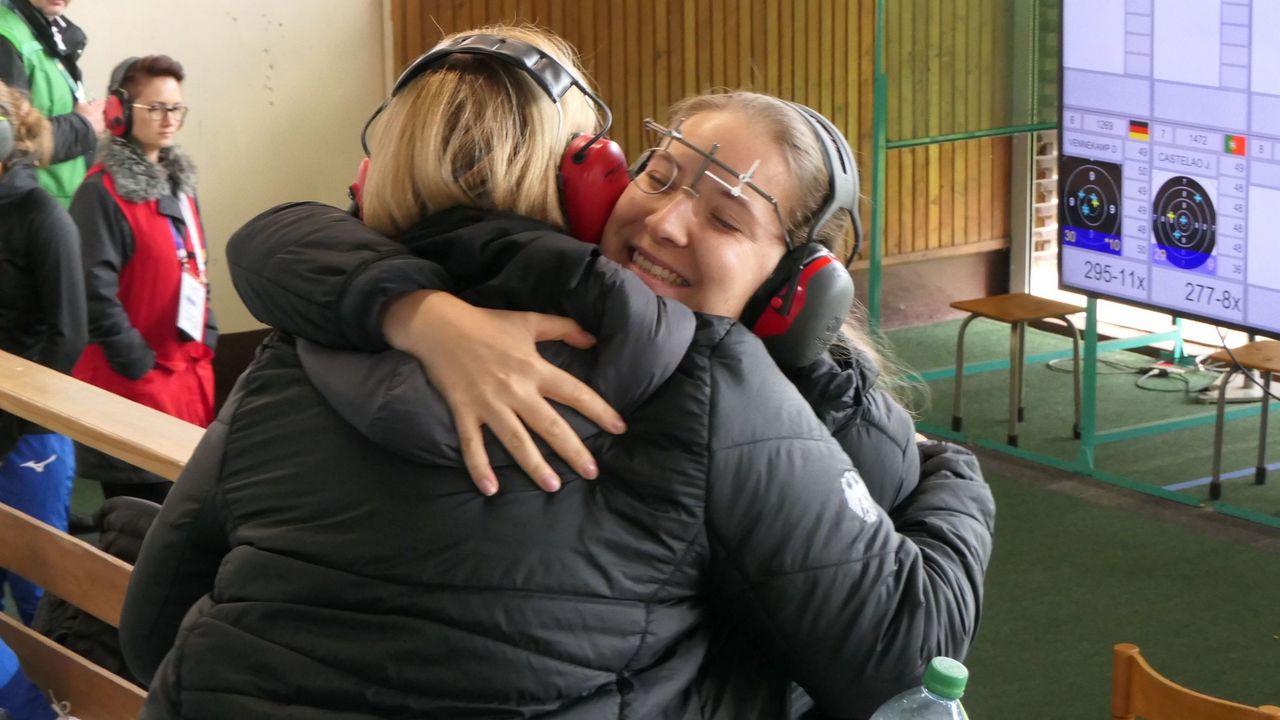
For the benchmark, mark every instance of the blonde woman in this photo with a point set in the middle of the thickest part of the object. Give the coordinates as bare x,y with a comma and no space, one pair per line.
42,319
325,547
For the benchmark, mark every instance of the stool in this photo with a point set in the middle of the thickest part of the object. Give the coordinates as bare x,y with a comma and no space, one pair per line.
1017,309
1263,356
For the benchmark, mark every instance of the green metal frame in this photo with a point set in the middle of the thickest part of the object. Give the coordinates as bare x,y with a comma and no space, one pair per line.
1090,436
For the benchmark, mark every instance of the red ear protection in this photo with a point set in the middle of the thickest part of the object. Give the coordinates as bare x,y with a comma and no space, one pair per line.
118,112
802,305
800,308
356,189
592,177
593,170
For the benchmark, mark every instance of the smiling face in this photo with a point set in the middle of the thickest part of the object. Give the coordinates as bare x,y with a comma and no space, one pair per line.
154,134
686,235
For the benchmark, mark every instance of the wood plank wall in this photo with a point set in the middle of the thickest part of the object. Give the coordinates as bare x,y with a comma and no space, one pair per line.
945,59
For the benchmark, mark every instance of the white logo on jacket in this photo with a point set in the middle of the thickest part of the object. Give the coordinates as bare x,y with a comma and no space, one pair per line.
39,466
855,493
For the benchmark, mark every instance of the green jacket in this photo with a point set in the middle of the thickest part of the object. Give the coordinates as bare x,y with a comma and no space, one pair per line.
52,93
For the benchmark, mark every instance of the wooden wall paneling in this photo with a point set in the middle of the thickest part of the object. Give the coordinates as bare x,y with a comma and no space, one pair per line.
732,62
919,125
986,7
945,60
632,66
960,168
661,56
816,62
773,47
973,80
864,28
950,194
718,33
645,64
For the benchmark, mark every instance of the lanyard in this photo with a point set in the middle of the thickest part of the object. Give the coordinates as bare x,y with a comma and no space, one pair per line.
189,246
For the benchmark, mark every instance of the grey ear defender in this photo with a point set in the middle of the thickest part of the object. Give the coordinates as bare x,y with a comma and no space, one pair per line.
6,139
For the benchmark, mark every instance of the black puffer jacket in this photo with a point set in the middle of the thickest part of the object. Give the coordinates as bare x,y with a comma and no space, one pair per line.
330,554
42,305
316,272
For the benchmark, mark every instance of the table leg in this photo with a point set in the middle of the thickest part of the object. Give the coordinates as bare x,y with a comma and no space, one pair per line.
1215,485
957,420
1022,370
1015,380
1075,372
1260,472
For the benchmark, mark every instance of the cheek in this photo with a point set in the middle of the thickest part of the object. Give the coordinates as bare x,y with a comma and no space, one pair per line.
620,228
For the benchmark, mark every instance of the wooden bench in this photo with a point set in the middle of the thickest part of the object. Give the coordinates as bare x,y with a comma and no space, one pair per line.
1017,309
66,566
1264,357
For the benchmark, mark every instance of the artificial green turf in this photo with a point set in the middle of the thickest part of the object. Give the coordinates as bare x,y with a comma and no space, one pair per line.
1070,578
1157,460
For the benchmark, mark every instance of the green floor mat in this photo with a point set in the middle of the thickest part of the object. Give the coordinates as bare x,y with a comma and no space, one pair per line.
1179,460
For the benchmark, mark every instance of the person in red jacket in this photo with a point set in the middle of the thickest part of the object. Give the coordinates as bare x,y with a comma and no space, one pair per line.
151,331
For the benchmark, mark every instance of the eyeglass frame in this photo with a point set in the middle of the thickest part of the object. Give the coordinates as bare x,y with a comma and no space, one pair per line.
709,158
166,109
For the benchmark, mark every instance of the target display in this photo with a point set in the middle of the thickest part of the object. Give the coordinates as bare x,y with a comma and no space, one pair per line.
1091,202
1169,157
1184,225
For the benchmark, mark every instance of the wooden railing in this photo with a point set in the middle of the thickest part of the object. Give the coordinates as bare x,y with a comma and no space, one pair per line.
66,566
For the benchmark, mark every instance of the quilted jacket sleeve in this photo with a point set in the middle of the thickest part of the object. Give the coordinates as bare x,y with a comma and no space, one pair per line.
814,571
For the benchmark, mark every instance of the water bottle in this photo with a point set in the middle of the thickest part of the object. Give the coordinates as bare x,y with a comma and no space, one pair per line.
938,699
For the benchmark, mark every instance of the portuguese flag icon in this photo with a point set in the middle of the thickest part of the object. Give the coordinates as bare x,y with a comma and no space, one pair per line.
1233,144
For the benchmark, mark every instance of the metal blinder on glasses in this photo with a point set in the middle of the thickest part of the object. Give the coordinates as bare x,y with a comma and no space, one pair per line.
704,170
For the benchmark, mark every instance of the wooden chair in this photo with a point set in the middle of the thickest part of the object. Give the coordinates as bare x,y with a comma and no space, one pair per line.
1263,356
1017,309
1139,691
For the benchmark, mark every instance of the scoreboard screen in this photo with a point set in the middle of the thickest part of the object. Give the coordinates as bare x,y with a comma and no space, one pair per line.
1169,157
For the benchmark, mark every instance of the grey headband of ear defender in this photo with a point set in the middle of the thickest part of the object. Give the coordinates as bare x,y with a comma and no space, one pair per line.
842,192
6,138
553,78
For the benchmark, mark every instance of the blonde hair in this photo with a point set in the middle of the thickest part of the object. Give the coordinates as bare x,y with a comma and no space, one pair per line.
476,131
783,125
32,133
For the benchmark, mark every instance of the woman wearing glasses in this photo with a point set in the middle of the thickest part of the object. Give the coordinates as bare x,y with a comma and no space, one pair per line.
151,331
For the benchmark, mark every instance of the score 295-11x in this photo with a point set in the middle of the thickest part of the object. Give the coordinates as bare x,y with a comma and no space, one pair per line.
1105,273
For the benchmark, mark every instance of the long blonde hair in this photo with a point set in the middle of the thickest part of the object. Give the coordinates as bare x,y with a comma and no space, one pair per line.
32,133
474,131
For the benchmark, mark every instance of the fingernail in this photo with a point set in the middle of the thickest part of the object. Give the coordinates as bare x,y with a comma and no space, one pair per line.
489,486
550,482
590,471
617,426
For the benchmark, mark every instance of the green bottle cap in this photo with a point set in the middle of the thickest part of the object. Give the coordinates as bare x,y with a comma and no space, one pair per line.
946,677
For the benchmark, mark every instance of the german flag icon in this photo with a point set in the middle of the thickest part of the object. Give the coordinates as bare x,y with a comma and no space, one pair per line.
1139,130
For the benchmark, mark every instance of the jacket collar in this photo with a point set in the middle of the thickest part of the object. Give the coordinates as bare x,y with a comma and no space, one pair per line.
138,179
68,43
19,179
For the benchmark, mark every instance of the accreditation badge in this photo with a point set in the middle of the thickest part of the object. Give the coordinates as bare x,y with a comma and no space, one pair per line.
192,302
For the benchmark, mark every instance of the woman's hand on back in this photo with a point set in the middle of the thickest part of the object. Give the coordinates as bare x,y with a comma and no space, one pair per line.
486,365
